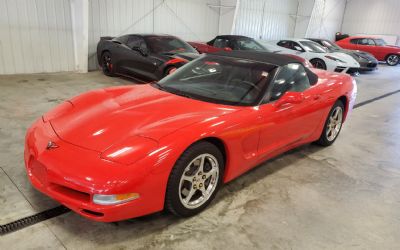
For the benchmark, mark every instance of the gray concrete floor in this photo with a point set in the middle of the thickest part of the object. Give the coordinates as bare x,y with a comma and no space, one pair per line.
341,197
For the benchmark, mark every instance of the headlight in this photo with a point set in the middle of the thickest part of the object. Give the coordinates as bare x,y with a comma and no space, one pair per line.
105,199
335,59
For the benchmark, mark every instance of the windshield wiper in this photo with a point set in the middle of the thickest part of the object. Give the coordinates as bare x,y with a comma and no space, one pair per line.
171,90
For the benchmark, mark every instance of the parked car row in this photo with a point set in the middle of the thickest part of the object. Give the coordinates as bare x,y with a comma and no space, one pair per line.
154,56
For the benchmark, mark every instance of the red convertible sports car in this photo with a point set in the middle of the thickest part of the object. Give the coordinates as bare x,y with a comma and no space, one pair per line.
228,43
128,151
376,46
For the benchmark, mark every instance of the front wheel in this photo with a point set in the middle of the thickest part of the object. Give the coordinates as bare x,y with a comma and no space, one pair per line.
333,125
318,63
392,60
195,179
107,64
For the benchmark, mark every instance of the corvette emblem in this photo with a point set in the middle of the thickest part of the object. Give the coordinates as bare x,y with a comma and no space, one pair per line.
51,145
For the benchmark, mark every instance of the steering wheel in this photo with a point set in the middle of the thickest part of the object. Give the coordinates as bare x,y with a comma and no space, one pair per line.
248,83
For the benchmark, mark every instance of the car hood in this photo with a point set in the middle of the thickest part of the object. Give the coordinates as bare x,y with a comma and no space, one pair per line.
179,55
359,56
348,59
101,118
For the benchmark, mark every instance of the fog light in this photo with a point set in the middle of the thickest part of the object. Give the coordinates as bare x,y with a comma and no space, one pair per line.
104,199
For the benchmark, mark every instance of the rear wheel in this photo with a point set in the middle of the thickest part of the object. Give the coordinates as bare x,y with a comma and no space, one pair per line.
169,70
195,179
333,125
318,63
106,64
392,60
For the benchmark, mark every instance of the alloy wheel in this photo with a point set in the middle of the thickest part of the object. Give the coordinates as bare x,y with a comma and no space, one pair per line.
334,124
393,60
198,181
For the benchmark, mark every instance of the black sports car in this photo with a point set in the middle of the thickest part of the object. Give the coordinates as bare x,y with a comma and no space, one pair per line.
366,60
149,57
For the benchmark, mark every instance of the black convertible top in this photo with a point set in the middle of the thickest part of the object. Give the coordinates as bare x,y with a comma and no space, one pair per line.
267,57
260,56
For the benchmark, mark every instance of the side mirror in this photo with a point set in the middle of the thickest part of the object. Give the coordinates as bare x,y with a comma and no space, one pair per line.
290,97
227,49
142,51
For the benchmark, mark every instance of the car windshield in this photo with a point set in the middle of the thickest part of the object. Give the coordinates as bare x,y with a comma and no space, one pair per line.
380,42
246,44
330,45
310,46
168,44
220,79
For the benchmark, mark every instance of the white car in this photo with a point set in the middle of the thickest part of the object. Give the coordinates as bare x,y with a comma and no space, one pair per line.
318,56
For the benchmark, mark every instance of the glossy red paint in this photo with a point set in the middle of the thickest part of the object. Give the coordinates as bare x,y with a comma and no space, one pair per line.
205,48
379,52
127,139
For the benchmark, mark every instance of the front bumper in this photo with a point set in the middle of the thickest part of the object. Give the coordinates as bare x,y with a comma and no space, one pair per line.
72,175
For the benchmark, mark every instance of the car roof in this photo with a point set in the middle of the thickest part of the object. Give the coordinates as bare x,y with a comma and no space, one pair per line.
295,39
358,37
232,36
149,35
260,56
317,39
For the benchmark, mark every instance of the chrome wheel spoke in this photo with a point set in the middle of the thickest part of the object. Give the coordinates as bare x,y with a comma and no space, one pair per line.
334,123
201,175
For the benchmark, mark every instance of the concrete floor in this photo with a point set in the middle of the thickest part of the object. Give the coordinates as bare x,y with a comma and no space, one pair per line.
344,196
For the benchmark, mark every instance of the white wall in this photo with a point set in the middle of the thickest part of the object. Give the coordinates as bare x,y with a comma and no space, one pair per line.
326,19
266,19
271,19
187,19
35,36
226,15
372,17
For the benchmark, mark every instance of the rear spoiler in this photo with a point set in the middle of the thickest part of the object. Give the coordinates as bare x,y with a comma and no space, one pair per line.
340,36
106,38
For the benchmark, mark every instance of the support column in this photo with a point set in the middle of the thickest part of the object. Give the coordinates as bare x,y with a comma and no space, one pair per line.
80,31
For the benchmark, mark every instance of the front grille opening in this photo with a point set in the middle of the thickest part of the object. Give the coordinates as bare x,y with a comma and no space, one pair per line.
71,193
93,213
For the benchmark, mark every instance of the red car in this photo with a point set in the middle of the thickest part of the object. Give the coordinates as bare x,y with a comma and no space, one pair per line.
373,45
227,43
122,152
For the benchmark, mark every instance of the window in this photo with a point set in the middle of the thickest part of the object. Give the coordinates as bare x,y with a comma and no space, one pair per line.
221,43
314,47
246,44
122,39
354,41
367,41
285,44
380,42
168,44
218,79
134,41
291,77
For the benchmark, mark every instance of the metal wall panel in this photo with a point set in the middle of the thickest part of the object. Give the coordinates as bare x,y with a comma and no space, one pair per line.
372,17
266,19
188,19
326,19
35,36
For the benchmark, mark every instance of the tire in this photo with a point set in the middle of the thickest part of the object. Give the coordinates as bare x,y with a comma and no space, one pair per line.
325,138
318,63
106,64
187,178
169,70
392,60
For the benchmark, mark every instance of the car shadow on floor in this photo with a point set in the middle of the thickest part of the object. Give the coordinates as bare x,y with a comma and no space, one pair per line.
161,221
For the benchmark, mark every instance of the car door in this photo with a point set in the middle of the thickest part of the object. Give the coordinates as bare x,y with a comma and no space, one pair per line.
135,59
352,44
367,45
291,113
